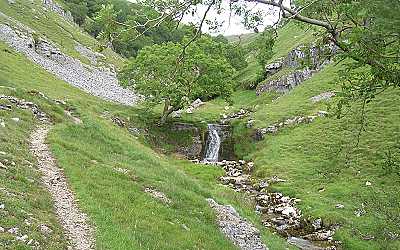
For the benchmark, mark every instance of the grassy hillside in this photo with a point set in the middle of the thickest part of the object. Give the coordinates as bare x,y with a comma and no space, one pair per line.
289,37
125,217
320,161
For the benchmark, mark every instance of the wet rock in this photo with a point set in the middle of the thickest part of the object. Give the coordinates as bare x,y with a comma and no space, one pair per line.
320,235
303,244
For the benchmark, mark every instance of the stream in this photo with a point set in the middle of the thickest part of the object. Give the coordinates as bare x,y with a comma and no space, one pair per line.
278,212
213,144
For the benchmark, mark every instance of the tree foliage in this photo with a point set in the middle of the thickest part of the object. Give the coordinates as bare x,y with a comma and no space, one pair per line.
163,75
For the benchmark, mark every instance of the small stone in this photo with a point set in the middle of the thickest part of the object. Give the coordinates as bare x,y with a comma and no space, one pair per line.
317,224
3,153
13,230
339,206
11,1
45,229
15,119
2,230
3,166
322,113
185,227
22,238
2,206
368,237
368,183
2,124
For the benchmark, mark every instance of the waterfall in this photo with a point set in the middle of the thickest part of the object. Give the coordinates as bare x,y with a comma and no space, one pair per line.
213,144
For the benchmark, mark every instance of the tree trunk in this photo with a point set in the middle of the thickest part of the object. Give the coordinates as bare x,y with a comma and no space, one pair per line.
166,112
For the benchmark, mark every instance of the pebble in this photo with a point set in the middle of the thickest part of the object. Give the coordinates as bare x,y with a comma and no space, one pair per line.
368,183
2,230
15,119
339,206
2,206
22,238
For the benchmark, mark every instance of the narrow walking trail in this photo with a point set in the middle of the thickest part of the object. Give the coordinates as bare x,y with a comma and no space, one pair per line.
72,219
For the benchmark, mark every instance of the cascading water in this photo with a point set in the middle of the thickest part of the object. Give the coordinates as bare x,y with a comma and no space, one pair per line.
213,144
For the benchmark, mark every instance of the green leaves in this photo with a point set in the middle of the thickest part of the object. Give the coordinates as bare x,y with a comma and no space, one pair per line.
168,73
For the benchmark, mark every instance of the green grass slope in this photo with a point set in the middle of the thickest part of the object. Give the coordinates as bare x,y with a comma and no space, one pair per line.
321,161
125,217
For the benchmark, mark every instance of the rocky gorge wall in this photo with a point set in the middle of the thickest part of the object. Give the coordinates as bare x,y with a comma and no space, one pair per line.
100,81
304,62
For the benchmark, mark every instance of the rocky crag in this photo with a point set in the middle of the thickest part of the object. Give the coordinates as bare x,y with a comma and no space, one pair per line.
98,81
302,63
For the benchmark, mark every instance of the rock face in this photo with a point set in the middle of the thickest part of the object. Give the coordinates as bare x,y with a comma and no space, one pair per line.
195,148
40,115
101,82
285,83
241,232
315,56
92,56
55,7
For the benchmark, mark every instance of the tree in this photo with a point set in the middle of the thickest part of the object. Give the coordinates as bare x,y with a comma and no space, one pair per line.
165,74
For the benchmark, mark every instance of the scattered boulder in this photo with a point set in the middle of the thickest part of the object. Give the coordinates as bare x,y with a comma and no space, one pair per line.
322,97
275,128
157,195
339,206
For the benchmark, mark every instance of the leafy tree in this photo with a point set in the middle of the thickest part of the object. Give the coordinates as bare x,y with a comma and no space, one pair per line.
175,76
